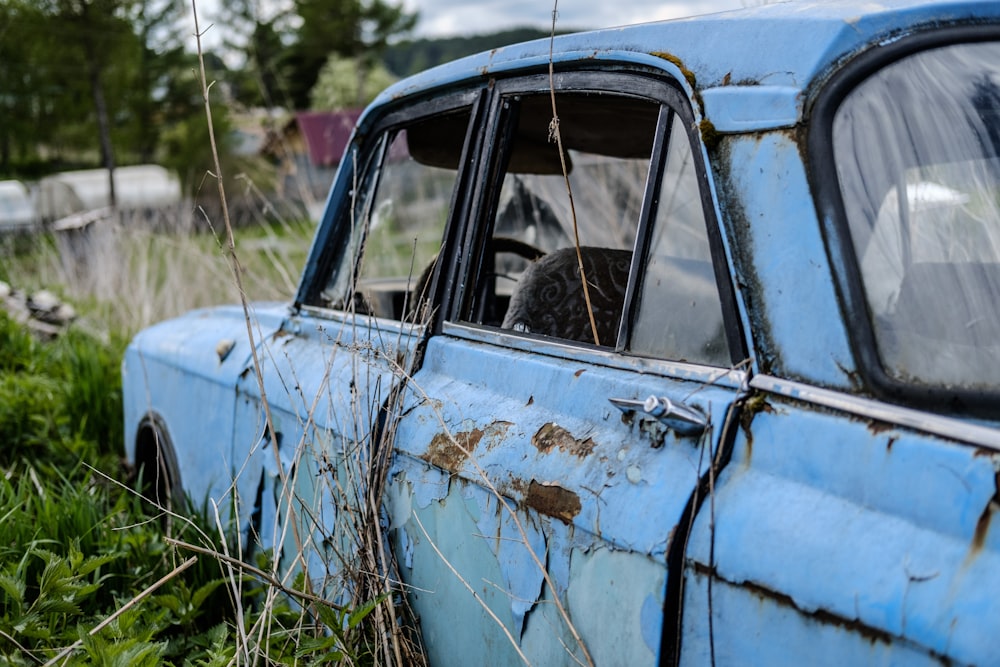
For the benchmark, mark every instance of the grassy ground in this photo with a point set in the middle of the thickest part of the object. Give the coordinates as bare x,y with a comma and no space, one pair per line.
79,552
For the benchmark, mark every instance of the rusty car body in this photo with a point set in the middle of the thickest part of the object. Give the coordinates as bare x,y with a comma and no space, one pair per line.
762,429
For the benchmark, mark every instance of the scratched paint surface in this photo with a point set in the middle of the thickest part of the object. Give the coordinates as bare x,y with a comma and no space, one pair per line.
487,548
849,529
597,495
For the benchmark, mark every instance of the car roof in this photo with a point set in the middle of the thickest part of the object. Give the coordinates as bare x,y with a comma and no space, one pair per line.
777,50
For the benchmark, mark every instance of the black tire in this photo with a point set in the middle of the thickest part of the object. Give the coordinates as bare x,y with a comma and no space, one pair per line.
157,478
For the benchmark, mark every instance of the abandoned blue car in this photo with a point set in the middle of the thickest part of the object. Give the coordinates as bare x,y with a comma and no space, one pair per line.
677,343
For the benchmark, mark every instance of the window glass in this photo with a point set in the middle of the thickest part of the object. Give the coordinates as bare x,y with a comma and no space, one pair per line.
679,315
916,148
400,209
530,280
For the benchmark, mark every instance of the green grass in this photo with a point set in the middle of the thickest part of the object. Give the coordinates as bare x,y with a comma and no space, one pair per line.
76,545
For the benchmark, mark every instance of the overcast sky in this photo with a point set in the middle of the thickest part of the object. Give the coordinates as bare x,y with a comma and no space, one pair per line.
448,18
440,18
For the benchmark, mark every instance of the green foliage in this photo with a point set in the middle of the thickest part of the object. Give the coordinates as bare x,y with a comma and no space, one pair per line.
76,547
411,56
59,402
88,82
346,83
351,28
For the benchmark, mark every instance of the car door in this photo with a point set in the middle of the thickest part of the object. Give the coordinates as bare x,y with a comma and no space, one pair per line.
546,460
307,432
856,526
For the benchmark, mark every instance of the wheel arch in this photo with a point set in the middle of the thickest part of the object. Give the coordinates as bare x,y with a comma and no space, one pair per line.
157,474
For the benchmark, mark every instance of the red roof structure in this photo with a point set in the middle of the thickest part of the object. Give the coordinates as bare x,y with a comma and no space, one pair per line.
326,134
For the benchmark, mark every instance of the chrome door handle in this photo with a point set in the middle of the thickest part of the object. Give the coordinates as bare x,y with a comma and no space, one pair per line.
677,416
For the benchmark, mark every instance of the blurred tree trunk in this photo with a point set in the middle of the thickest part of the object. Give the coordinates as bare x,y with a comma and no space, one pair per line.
103,130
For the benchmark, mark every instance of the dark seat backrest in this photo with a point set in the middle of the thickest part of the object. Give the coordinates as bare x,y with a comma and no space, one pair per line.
549,298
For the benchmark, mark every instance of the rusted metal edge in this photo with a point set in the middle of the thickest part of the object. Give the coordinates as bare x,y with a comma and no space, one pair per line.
945,427
822,616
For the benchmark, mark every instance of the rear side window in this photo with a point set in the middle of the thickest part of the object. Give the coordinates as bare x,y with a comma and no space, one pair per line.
917,149
400,205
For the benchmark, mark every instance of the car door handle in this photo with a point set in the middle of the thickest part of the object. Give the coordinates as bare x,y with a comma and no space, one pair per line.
677,416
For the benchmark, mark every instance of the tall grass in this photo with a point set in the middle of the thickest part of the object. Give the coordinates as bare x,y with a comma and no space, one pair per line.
76,546
124,274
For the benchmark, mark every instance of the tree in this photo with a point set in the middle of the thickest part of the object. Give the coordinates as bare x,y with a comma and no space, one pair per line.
345,83
98,36
350,28
19,79
160,55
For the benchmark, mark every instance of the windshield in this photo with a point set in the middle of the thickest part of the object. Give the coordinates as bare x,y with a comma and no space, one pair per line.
916,148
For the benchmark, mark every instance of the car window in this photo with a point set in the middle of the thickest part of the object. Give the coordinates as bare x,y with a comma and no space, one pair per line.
400,207
544,229
679,314
917,148
530,278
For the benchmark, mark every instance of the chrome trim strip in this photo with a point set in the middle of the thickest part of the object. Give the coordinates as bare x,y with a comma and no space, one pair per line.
946,427
358,320
723,377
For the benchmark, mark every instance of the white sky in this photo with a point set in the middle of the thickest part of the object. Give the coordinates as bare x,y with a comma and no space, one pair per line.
441,18
447,18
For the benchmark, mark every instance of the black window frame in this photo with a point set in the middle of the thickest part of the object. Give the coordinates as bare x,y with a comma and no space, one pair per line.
836,228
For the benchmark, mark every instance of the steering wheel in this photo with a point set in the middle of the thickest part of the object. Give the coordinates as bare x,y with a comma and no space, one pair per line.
485,303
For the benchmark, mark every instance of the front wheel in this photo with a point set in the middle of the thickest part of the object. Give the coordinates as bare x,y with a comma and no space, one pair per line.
156,479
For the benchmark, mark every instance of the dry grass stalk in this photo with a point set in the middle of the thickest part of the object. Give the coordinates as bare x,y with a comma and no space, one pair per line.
65,653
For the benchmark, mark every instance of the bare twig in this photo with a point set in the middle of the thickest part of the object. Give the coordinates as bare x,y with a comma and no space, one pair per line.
556,135
488,483
256,571
24,650
480,600
237,271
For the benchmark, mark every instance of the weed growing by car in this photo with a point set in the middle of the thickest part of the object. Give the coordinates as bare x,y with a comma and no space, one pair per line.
76,546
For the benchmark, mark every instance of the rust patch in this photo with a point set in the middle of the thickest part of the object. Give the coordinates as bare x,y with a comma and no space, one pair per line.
451,453
983,524
495,432
580,372
755,404
876,426
551,436
553,500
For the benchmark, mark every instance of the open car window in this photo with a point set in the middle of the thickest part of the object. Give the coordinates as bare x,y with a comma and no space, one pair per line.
917,148
401,204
